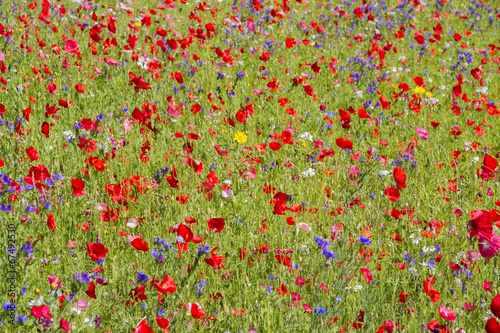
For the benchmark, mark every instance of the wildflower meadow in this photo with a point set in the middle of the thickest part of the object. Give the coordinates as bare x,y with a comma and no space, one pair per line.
249,166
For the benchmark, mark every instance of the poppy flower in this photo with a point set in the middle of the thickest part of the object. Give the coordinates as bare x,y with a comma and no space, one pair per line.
71,46
489,249
78,185
422,133
167,285
480,225
445,313
91,291
32,153
400,177
45,129
392,193
140,244
492,326
275,146
143,327
495,306
41,312
50,223
163,323
344,143
64,325
96,251
196,312
308,90
215,261
216,224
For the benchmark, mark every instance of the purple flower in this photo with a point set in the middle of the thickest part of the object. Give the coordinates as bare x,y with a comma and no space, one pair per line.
364,240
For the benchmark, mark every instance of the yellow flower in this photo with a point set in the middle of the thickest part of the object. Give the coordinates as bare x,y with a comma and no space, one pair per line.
37,290
419,90
53,285
240,137
304,143
428,94
395,86
138,24
440,50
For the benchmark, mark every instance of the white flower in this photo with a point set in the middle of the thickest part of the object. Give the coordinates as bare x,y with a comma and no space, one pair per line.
309,172
384,173
305,136
69,134
357,288
228,182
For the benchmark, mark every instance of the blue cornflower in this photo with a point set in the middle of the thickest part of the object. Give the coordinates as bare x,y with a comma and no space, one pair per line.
142,277
320,311
364,240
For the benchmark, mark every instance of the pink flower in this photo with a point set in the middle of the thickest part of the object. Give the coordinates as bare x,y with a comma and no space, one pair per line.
71,244
457,212
257,92
65,63
97,71
52,88
489,249
473,255
422,133
304,226
71,46
445,313
82,304
54,280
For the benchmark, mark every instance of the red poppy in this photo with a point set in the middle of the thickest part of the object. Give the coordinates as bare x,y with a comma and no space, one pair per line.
32,153
492,326
143,327
96,251
164,323
396,237
481,225
392,193
196,312
308,90
363,114
495,305
215,261
400,177
275,146
216,224
265,56
140,244
78,185
41,312
282,290
167,285
403,296
344,143
284,260
50,223
45,129
91,290
384,102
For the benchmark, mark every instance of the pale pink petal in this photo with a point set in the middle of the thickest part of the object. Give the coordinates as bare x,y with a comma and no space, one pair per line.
422,133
